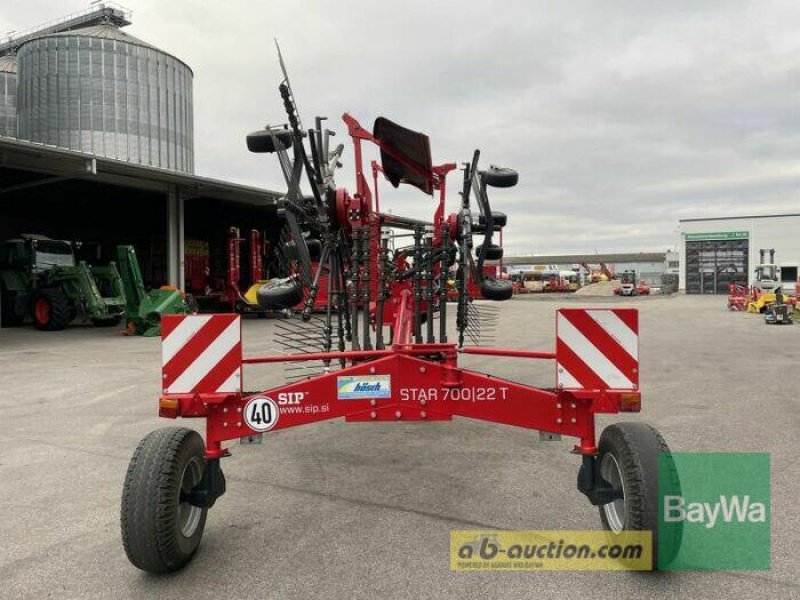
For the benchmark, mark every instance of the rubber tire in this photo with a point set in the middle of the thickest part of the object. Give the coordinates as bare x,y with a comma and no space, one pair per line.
314,250
499,219
8,313
493,252
283,293
501,177
110,322
497,289
58,307
636,447
261,141
149,515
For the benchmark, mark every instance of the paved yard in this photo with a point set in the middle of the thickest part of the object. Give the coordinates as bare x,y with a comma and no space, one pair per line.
339,510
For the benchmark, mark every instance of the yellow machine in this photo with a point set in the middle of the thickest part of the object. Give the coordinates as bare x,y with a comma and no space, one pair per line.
250,294
760,301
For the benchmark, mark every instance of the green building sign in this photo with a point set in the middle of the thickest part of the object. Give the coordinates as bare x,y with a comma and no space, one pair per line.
717,235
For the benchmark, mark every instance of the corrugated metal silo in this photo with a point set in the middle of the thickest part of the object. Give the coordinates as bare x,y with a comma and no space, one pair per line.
8,96
102,91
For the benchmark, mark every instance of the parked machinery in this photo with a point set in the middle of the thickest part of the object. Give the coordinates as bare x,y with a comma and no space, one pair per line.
766,295
233,295
738,297
40,278
607,273
591,276
767,287
558,281
631,285
779,312
214,294
602,273
767,275
410,374
145,308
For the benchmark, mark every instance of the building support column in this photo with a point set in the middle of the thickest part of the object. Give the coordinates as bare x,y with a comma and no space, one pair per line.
175,235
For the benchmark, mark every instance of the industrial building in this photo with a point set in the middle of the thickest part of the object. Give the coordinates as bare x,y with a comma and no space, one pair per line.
649,266
715,252
97,146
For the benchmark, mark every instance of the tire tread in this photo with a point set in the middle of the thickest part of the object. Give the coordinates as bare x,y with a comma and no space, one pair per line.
637,447
59,309
149,503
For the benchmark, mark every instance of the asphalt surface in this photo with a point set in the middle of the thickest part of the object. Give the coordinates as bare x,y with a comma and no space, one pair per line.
339,510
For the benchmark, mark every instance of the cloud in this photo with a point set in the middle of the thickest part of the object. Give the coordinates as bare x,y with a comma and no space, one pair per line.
621,117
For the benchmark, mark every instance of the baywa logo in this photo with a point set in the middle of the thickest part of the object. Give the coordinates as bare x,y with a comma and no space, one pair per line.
727,508
714,511
355,387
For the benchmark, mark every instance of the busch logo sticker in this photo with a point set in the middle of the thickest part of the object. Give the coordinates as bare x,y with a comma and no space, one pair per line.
357,387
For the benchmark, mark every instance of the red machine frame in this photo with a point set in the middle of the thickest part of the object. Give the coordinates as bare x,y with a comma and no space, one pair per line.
412,378
432,368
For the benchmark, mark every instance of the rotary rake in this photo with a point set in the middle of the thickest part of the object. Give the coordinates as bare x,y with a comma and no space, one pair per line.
376,354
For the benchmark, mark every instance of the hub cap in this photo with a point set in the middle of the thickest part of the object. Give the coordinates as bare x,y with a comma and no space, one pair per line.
41,311
188,514
614,511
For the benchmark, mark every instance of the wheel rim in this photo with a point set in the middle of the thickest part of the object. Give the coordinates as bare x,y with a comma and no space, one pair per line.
614,511
189,515
41,310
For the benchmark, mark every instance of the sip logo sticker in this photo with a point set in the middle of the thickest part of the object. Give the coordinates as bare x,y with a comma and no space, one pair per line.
356,387
261,413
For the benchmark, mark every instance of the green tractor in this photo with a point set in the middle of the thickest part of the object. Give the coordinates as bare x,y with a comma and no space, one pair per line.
40,278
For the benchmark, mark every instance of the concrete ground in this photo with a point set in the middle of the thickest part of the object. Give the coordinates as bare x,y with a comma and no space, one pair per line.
339,510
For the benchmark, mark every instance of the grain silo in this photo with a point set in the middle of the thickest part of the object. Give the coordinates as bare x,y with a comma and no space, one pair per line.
99,90
8,96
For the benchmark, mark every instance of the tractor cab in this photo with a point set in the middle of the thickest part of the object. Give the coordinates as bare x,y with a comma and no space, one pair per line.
767,276
36,254
47,254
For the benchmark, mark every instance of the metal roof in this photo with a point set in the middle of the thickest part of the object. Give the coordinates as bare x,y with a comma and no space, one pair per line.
56,162
107,12
107,31
633,257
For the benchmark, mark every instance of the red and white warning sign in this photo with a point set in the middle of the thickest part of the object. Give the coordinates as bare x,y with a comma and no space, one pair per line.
201,353
597,348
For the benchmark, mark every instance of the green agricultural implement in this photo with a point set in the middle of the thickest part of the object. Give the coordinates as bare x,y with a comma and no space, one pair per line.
145,308
40,279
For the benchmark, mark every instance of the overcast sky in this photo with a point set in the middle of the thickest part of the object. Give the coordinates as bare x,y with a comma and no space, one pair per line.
620,116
